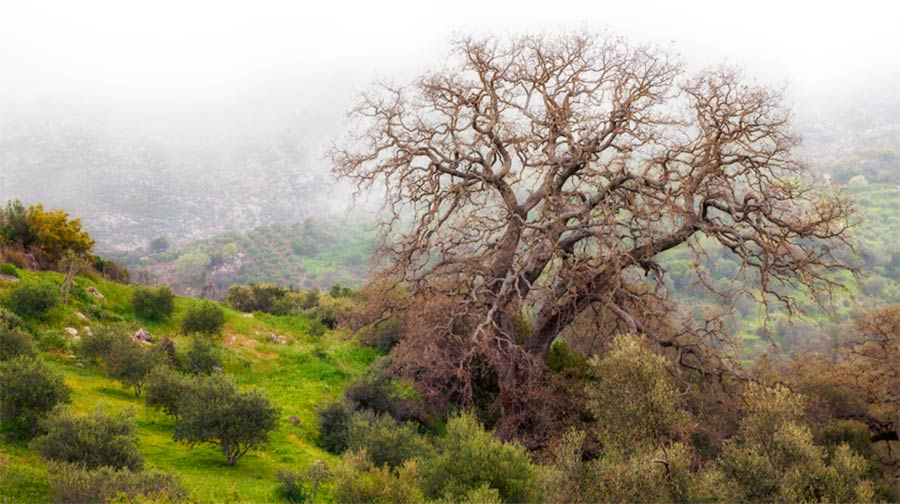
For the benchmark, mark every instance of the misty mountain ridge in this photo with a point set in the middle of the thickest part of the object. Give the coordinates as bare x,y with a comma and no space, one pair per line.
129,189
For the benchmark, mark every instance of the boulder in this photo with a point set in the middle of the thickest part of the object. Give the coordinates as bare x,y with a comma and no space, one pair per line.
94,292
81,316
274,338
142,335
72,331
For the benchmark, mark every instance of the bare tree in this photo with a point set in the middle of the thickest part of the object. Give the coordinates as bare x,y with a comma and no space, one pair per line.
537,180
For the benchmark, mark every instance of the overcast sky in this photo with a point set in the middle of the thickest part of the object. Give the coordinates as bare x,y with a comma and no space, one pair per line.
189,64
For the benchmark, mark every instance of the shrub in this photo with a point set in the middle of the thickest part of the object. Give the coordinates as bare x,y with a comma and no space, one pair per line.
292,487
98,343
774,458
316,328
130,362
111,270
92,441
33,300
216,412
14,224
164,388
202,356
153,304
14,342
9,270
297,487
385,336
322,314
372,391
29,389
334,424
73,484
167,353
384,439
635,402
469,457
52,340
10,320
357,479
261,297
205,318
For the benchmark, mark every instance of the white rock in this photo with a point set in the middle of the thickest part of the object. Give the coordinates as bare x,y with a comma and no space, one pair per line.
72,331
142,335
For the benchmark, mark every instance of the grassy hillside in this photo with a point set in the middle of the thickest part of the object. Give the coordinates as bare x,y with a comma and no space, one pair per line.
877,240
297,376
312,253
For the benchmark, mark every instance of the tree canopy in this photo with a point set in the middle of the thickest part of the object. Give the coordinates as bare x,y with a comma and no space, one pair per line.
534,182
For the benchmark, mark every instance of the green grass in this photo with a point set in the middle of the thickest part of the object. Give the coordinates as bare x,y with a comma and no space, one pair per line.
298,377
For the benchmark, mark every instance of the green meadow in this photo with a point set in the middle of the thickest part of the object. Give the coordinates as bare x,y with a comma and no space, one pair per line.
297,376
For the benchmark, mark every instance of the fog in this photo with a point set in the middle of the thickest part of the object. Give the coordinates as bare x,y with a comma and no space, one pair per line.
205,81
204,69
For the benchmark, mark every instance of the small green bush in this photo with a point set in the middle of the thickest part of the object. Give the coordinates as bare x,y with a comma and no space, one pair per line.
29,389
372,391
15,343
153,304
357,479
32,300
334,424
99,343
249,298
292,487
384,439
202,356
316,328
52,340
164,389
74,484
10,320
297,487
92,441
469,457
9,269
204,318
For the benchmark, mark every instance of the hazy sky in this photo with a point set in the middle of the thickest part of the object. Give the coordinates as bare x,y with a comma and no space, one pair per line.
189,65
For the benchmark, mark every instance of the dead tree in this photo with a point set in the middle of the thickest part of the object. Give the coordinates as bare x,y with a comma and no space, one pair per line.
544,176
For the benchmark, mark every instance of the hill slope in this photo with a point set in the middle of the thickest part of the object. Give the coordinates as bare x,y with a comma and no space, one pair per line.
297,376
307,254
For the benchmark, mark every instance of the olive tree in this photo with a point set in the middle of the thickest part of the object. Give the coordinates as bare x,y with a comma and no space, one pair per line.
215,411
